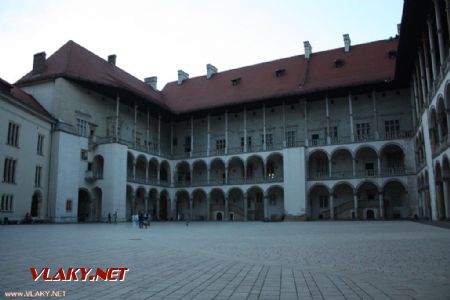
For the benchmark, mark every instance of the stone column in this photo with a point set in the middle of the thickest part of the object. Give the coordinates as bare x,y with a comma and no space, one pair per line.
245,206
208,136
146,203
226,175
378,166
158,174
329,168
327,113
381,201
447,112
350,110
355,204
245,129
331,200
354,167
208,174
437,14
375,115
134,170
427,66
434,67
422,77
264,127
191,208
225,217
266,203
208,208
158,208
446,188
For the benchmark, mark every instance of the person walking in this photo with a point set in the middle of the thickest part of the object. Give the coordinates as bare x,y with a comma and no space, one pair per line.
115,217
141,219
109,218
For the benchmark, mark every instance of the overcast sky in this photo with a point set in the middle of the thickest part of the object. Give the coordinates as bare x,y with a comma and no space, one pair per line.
159,37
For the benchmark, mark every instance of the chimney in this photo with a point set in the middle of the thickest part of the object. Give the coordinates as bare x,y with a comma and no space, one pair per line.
347,43
308,49
399,27
182,76
151,81
210,70
39,62
112,59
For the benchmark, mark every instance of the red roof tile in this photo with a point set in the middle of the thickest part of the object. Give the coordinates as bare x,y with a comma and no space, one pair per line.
366,63
75,61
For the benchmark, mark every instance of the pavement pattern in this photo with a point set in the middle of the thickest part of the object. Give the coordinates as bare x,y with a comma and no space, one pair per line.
235,260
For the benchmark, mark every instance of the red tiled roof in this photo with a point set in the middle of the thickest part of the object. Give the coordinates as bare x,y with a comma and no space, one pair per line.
25,98
76,62
364,64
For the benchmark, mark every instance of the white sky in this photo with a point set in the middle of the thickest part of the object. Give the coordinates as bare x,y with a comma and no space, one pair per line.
158,37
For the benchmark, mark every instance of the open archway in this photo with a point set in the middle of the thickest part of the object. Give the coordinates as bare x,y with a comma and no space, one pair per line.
319,206
84,205
275,209
255,204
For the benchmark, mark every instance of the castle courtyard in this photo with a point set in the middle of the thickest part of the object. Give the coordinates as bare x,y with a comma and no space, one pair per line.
235,260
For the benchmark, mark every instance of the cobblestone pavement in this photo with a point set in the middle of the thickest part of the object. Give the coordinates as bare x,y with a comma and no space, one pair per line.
307,260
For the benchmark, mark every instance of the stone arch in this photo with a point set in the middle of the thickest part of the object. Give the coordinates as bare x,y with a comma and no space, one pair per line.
236,170
139,204
366,161
395,199
442,118
36,204
153,166
318,165
217,172
141,169
199,205
217,204
255,169
164,173
255,203
274,167
318,202
164,206
368,199
182,205
236,209
84,205
275,208
341,163
183,173
343,199
392,160
152,207
199,173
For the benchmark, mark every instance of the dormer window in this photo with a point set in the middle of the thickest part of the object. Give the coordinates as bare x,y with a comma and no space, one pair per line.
279,72
235,81
392,54
339,63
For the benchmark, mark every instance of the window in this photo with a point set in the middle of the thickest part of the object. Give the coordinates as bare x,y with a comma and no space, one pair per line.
334,134
235,81
6,205
220,145
323,201
291,138
315,139
362,131
268,140
40,145
249,143
13,134
82,127
392,128
37,176
187,144
279,72
84,154
69,205
339,63
9,170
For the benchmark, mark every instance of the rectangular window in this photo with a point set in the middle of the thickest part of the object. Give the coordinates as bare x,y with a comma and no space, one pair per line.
37,176
187,144
323,201
362,131
9,170
7,205
220,146
315,139
69,205
392,128
268,140
82,127
40,145
84,154
334,134
13,134
291,138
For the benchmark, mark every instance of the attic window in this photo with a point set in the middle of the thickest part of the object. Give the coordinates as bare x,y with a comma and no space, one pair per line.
392,54
235,81
279,72
339,63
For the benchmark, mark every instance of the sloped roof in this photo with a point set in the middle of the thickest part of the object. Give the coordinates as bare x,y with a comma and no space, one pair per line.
363,64
76,62
24,98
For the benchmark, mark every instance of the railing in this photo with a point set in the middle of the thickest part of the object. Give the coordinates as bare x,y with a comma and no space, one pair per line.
93,175
385,172
234,181
236,209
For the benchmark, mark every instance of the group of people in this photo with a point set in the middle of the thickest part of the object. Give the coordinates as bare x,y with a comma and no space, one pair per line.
141,219
115,217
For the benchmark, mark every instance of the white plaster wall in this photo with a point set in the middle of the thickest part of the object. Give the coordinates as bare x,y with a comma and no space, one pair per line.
294,181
